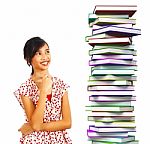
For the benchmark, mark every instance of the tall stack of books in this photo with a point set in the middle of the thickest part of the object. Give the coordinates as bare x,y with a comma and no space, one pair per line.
111,84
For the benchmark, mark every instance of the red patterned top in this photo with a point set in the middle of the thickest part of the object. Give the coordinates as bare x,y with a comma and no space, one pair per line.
52,112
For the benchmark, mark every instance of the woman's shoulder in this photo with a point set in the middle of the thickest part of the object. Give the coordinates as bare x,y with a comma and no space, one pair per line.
26,86
60,82
27,83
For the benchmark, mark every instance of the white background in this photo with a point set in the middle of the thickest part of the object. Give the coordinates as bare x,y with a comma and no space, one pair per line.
64,25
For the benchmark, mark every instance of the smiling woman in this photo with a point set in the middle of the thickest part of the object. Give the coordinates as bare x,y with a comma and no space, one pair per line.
44,99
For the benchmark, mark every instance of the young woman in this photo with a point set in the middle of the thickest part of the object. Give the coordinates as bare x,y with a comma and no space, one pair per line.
44,99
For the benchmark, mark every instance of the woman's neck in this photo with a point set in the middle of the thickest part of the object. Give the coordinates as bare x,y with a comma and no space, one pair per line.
40,74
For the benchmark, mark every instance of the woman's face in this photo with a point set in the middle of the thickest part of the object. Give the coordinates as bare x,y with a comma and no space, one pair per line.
41,59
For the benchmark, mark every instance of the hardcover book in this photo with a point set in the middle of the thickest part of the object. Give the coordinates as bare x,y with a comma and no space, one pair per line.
115,9
117,31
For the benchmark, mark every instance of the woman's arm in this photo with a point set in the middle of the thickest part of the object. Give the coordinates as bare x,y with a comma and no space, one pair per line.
63,124
35,116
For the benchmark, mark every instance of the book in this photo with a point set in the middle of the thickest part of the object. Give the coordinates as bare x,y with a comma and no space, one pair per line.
111,40
113,67
91,113
92,17
116,72
116,46
103,35
112,98
106,134
115,56
115,9
110,119
112,129
111,51
114,124
109,82
100,142
113,77
110,88
114,103
111,21
110,108
112,62
95,27
112,93
117,31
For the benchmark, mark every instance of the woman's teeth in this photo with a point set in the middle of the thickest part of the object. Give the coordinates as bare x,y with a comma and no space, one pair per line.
44,63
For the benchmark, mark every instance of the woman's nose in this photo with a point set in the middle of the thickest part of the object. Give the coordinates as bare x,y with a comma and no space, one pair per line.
44,56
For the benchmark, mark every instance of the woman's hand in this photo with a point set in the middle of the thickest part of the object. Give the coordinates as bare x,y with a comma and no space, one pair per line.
44,84
26,129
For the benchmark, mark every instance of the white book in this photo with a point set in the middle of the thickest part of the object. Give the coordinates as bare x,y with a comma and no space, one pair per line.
102,21
112,98
123,56
112,51
119,72
114,129
111,40
91,113
110,108
119,31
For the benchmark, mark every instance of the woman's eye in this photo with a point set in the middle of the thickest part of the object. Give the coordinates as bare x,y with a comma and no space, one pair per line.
38,53
47,51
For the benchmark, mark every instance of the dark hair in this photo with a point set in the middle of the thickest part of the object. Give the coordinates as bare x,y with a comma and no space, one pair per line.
31,47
